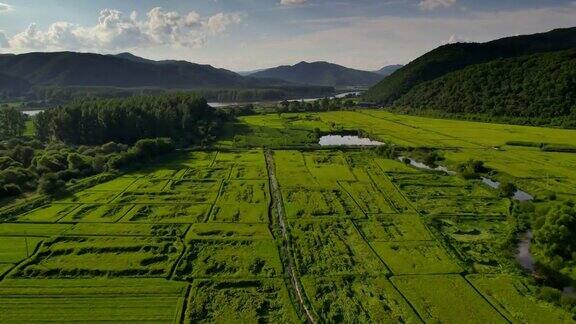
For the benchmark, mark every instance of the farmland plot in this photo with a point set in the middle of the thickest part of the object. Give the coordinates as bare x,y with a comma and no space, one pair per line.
352,299
416,258
223,250
75,256
332,248
306,203
394,228
117,300
242,201
446,298
230,259
16,249
478,241
514,297
246,301
49,214
167,213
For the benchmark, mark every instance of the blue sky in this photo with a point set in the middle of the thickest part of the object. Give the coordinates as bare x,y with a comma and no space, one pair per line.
252,34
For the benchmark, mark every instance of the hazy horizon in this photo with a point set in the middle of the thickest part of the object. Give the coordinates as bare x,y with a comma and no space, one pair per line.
254,34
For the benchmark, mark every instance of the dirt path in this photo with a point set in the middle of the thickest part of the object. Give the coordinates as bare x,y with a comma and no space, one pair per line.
285,248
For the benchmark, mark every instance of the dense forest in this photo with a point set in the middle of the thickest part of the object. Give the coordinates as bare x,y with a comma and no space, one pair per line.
453,57
40,96
538,89
185,118
89,137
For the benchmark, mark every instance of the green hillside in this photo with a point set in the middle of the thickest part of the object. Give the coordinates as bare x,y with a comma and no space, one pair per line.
539,87
453,57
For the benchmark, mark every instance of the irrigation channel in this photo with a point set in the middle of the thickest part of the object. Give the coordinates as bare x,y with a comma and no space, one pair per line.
524,257
285,249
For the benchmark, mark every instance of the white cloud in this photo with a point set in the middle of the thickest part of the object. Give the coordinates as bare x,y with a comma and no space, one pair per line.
435,4
292,2
114,31
456,39
3,40
218,23
5,8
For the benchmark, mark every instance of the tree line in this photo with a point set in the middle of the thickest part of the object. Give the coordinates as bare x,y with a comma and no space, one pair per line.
185,118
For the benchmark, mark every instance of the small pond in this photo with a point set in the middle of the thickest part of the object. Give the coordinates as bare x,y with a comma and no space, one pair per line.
420,165
32,112
347,140
518,195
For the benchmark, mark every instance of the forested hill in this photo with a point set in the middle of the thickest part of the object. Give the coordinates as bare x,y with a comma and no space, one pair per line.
11,85
453,57
85,69
321,74
540,88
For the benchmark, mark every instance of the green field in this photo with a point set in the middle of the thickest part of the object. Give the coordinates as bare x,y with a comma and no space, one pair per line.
353,237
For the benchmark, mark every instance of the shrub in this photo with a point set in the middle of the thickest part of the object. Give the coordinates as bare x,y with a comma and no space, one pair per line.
50,184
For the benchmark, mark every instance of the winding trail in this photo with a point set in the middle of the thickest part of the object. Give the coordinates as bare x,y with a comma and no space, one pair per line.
285,247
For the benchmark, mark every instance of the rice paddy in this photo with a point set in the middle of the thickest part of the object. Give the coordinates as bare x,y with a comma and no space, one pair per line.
196,238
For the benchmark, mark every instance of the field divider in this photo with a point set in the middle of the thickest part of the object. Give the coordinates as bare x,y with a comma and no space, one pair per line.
487,300
370,247
182,254
286,248
209,214
23,261
182,318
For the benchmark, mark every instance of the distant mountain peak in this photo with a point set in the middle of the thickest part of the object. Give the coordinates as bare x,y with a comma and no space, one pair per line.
320,73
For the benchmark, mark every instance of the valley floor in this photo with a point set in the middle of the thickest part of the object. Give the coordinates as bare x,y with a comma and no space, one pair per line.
244,234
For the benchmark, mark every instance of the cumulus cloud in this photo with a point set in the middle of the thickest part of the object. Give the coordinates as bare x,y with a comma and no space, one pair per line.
115,31
5,7
219,22
435,4
3,40
292,2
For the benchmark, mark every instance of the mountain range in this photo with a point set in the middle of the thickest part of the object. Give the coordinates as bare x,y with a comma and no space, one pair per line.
123,70
320,74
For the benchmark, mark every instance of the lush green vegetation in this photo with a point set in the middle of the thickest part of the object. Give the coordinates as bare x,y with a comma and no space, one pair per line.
536,90
198,235
454,57
183,117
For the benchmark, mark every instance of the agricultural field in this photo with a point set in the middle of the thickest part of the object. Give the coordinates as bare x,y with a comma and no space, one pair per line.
536,171
269,228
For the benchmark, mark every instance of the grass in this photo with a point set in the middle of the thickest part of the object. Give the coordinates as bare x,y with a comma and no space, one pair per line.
196,238
17,248
241,301
394,228
416,258
330,247
515,298
238,258
141,300
73,257
167,213
354,299
446,298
